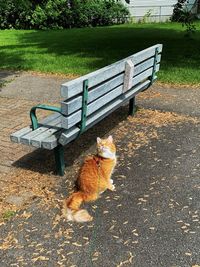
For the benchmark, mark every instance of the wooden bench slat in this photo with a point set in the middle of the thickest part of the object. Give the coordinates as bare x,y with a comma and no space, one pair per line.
75,86
69,135
69,121
37,141
15,137
71,106
54,120
51,141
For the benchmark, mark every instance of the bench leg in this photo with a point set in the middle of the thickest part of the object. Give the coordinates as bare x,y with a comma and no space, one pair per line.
132,106
59,158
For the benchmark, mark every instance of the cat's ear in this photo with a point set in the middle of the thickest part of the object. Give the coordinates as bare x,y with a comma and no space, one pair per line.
110,138
98,140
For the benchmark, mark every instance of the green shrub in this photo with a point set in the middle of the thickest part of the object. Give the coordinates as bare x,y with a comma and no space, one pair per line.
51,14
97,12
115,12
15,14
180,12
185,16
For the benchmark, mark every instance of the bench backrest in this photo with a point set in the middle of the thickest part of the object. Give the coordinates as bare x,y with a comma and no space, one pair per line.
109,87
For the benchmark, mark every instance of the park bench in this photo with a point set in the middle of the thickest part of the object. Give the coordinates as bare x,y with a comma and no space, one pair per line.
89,99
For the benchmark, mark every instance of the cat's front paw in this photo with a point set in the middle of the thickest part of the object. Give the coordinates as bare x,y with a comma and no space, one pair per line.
111,181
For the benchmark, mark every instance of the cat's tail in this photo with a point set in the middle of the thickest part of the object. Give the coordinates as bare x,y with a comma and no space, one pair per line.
72,205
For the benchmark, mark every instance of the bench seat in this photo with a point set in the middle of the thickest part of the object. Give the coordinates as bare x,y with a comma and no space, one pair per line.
45,136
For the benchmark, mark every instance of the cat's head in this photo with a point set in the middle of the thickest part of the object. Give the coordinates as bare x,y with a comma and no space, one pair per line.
106,148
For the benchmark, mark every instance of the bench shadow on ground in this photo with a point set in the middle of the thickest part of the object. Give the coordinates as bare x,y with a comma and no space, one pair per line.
42,161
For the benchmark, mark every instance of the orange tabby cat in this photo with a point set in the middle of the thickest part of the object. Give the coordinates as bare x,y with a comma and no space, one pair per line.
94,178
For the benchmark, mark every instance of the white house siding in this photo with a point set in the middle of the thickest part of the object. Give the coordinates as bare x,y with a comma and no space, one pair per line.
153,10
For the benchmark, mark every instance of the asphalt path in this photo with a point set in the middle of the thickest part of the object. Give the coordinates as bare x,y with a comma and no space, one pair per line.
151,220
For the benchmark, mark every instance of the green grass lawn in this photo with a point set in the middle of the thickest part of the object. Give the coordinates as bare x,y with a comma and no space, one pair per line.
79,51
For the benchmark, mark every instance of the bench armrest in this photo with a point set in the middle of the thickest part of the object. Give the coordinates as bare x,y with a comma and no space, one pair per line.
33,117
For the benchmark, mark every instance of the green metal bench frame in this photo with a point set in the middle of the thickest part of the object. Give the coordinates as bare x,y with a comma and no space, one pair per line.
59,150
